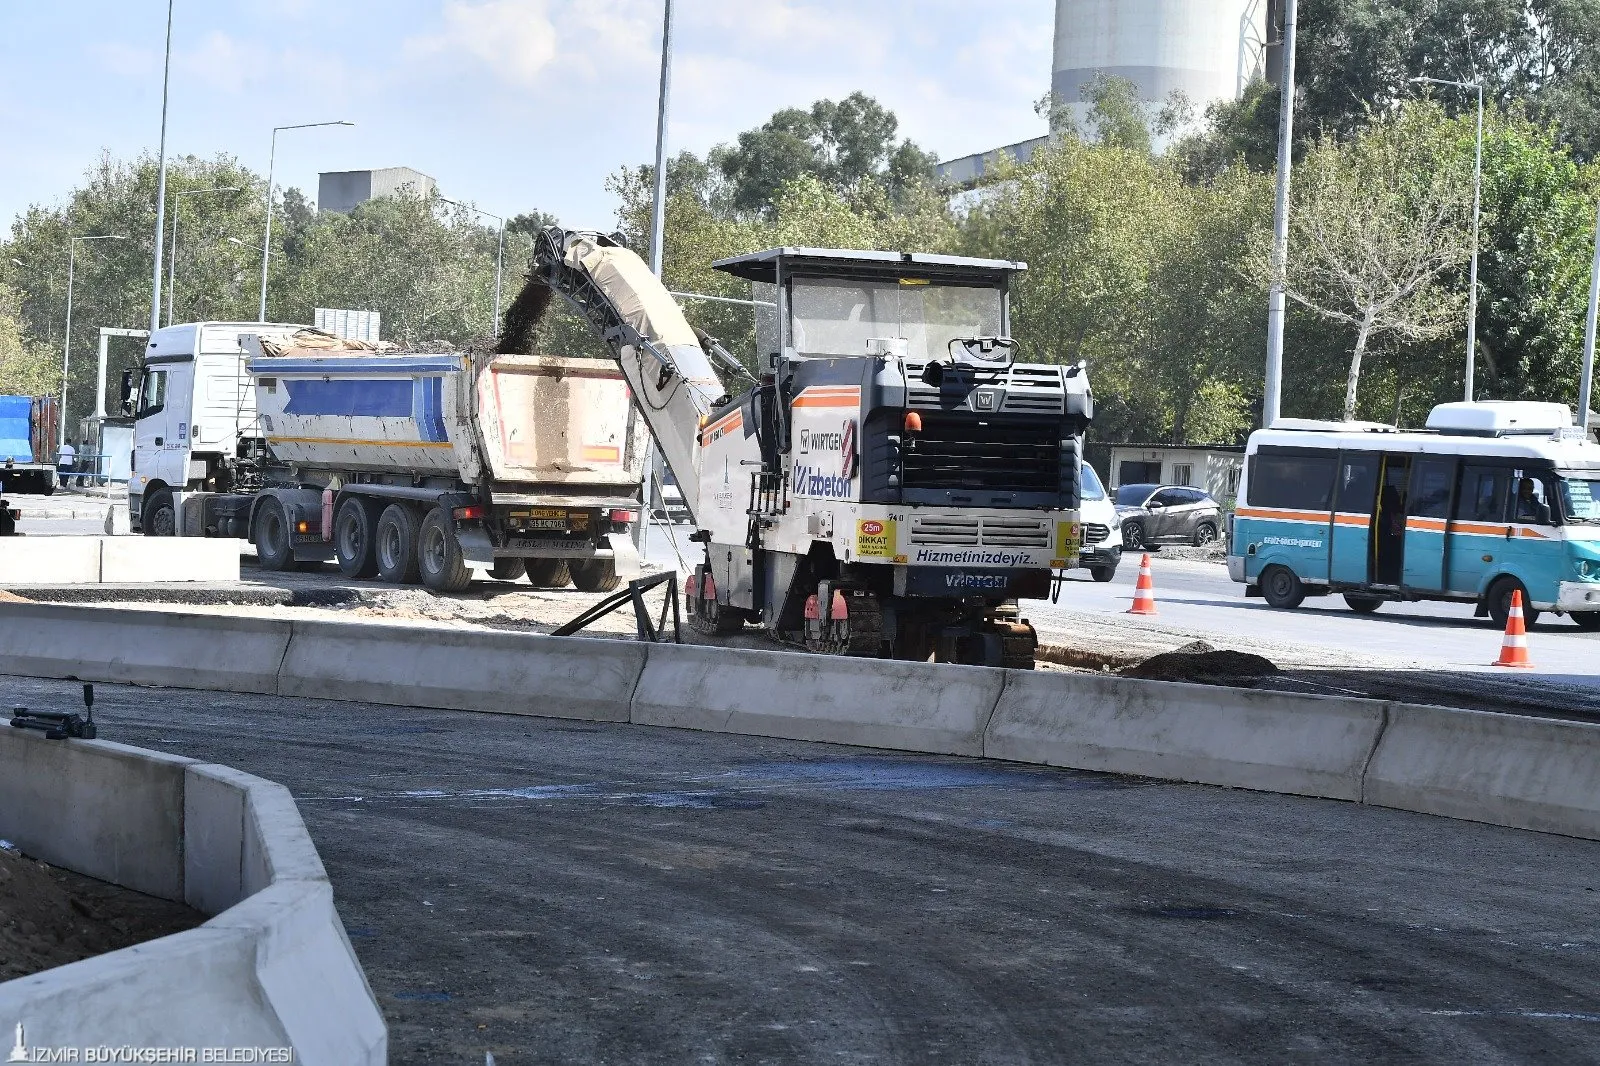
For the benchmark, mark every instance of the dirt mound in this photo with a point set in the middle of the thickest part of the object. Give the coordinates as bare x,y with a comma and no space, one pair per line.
1200,663
50,917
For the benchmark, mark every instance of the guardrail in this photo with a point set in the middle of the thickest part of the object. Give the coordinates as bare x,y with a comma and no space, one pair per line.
273,967
1526,773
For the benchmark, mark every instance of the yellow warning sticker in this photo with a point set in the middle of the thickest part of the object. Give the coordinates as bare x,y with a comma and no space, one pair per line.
1069,536
875,537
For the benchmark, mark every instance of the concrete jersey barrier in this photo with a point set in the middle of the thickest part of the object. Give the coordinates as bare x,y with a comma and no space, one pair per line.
1304,745
69,560
272,969
1522,772
466,670
871,702
1528,773
229,654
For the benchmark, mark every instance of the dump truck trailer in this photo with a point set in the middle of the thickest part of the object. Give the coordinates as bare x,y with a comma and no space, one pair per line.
402,465
28,432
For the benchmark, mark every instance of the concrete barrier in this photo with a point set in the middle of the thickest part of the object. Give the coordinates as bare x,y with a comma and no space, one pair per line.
230,654
169,559
870,702
1304,745
467,670
31,560
1528,773
106,810
272,969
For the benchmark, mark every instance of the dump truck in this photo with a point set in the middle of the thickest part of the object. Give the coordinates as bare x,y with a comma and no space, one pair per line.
888,482
28,433
395,464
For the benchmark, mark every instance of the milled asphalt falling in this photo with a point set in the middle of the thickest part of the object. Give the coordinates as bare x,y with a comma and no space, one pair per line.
564,892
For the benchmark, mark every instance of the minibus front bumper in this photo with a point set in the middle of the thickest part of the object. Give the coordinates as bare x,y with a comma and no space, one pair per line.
1578,596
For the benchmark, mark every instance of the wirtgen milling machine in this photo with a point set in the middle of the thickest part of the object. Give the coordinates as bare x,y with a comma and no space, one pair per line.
890,485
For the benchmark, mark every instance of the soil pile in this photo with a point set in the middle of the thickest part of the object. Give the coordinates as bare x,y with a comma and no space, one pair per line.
1200,663
50,917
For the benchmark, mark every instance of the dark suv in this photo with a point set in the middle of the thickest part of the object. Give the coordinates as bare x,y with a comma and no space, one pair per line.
1167,514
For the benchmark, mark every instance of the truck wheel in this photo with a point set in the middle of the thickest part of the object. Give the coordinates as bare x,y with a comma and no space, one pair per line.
355,540
159,517
1499,598
508,569
439,554
269,533
1280,587
549,573
595,575
397,545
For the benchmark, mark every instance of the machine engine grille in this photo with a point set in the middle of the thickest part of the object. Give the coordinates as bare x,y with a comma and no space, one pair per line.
959,450
974,531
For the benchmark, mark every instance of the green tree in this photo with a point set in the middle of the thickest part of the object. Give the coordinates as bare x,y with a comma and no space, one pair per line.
27,368
1377,226
840,144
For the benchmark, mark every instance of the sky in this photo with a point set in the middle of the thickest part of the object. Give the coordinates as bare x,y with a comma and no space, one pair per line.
510,104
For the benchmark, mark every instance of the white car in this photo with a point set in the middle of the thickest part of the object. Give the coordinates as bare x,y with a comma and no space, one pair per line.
1102,529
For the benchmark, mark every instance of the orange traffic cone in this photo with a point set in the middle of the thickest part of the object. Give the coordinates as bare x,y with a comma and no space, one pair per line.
1514,651
1144,593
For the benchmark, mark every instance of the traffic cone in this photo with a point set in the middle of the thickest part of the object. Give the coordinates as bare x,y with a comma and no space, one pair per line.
1514,651
1144,593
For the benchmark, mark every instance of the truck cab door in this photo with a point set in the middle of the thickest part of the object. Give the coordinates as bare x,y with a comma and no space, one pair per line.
154,431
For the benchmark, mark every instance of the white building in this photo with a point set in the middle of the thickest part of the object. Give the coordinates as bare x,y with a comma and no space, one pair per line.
1213,467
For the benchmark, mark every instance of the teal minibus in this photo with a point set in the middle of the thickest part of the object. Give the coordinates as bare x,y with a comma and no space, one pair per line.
1492,498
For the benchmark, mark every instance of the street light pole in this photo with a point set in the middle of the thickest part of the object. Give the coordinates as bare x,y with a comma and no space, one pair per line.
1586,384
1277,299
266,236
161,197
1477,210
66,344
658,227
172,256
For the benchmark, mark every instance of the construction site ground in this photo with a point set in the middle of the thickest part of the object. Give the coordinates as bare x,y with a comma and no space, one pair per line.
50,916
1071,638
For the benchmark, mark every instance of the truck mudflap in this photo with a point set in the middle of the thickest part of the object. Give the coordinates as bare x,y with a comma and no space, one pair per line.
478,551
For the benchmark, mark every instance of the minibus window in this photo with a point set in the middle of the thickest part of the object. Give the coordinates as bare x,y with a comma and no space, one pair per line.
1531,497
1483,494
1358,482
1430,488
1301,482
1580,497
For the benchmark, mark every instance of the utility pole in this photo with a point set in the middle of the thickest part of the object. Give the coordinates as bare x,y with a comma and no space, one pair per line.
161,187
1272,398
1586,385
658,226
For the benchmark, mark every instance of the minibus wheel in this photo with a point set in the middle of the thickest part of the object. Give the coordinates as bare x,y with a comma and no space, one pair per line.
1281,588
1586,620
1499,602
1362,604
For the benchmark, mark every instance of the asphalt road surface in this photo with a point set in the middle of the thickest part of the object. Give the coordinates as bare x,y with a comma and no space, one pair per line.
563,892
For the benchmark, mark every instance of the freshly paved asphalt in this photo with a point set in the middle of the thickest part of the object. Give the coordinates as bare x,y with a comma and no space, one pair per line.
561,892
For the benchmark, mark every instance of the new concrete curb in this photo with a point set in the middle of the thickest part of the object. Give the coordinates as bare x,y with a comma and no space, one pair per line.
273,968
1527,773
71,560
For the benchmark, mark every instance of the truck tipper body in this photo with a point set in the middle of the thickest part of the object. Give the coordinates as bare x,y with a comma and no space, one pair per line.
405,465
28,432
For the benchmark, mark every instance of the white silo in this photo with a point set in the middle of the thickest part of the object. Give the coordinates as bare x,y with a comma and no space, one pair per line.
1207,49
